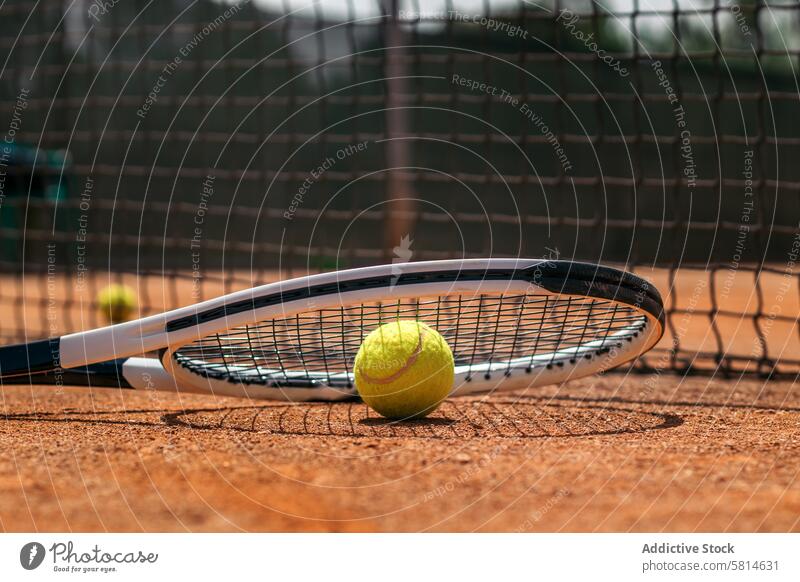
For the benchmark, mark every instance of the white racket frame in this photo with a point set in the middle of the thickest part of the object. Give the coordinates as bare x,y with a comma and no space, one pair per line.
149,334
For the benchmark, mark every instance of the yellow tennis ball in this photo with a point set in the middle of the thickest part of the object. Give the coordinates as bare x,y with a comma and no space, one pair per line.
117,303
404,369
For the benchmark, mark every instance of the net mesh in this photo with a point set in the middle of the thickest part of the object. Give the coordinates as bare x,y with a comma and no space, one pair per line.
518,332
190,149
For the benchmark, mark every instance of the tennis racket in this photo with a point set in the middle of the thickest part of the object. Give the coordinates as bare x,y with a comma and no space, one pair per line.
512,323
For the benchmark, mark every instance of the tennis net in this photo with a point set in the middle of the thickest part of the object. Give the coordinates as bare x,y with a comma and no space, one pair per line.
195,148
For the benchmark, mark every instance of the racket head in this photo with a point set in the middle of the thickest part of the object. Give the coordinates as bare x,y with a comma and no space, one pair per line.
511,324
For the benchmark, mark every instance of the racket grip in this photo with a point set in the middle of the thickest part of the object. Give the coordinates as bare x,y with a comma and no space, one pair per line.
102,375
31,358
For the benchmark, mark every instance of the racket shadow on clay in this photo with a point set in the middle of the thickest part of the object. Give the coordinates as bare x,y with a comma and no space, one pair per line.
455,419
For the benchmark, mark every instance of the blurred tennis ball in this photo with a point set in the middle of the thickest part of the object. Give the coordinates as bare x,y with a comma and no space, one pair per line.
117,303
404,369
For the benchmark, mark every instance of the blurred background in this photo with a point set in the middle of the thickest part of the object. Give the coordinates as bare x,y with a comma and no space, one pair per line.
194,147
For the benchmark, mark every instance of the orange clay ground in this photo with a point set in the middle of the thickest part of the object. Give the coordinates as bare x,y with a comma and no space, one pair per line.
614,453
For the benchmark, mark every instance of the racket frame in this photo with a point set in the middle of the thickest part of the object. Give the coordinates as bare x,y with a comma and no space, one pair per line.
104,356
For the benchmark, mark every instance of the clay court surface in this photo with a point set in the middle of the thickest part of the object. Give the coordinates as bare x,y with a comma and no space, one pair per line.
637,452
595,455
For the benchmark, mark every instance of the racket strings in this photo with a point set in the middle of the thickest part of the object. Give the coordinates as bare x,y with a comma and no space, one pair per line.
512,329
